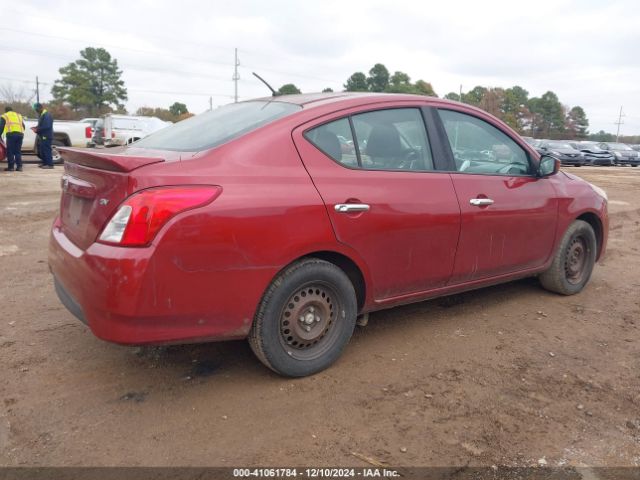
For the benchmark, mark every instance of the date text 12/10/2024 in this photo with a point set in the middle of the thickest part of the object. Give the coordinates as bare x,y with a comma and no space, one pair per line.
314,473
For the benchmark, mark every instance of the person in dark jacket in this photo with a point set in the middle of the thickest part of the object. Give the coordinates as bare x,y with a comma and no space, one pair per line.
44,130
13,123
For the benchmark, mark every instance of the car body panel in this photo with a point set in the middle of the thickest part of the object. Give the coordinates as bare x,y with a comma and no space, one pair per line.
204,274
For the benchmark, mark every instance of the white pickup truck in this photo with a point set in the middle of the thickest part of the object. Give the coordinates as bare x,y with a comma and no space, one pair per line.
65,134
114,130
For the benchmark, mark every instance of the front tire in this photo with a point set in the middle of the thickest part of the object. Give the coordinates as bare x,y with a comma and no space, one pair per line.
305,319
573,262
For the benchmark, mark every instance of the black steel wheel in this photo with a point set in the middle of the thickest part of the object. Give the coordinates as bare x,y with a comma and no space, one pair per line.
305,319
573,262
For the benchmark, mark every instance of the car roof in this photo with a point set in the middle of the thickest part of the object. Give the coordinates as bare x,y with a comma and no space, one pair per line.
311,100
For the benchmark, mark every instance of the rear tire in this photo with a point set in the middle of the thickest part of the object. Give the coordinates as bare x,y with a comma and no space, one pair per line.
305,319
573,261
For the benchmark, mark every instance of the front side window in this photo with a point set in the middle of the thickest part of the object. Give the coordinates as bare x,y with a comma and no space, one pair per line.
218,126
479,147
392,139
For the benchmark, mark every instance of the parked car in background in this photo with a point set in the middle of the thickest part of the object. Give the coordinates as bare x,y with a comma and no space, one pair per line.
91,121
624,154
564,152
594,155
125,129
535,143
65,134
252,221
635,147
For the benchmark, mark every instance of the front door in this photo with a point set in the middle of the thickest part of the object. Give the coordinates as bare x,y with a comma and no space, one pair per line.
508,214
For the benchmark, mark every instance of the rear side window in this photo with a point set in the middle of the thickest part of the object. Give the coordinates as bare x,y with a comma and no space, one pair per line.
479,147
216,127
336,141
392,139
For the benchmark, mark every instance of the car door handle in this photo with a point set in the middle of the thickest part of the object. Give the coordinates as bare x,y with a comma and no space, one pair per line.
351,207
480,202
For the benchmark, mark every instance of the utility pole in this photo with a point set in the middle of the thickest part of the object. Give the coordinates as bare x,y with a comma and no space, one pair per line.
460,93
37,90
210,103
619,122
236,76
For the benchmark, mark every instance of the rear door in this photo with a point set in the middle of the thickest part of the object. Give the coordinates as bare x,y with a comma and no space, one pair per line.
376,173
508,214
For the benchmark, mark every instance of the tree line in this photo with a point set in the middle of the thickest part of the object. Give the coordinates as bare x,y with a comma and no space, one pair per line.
92,86
540,117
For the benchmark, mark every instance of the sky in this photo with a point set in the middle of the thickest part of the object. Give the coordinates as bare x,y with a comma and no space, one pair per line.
587,52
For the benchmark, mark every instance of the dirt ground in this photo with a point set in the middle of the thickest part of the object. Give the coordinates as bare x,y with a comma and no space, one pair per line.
508,375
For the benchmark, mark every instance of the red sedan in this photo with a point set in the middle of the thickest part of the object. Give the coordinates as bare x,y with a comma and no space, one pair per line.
250,221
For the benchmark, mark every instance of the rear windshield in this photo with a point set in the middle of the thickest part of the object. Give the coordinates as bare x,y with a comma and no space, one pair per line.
216,127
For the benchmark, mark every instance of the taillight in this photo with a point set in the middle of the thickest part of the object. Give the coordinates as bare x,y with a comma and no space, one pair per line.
141,216
87,132
113,134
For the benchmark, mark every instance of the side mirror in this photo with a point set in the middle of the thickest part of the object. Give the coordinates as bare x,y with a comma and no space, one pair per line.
548,166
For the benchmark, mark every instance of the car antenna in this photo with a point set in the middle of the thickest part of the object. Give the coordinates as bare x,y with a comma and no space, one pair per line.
273,92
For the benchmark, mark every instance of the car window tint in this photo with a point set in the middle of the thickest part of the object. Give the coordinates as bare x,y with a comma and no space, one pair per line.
218,126
393,139
335,140
479,147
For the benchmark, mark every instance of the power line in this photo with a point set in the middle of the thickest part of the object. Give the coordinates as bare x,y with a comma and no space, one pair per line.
136,50
22,80
93,26
289,74
169,92
134,89
180,72
161,54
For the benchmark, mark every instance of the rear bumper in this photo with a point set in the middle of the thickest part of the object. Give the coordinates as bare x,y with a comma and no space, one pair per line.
68,301
136,296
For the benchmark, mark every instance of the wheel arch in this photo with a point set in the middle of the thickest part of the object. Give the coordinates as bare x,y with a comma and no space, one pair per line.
62,137
343,262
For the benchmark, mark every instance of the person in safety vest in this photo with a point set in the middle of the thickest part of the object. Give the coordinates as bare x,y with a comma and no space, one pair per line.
12,124
44,130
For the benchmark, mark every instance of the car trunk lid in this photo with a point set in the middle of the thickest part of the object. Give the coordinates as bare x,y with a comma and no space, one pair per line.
93,186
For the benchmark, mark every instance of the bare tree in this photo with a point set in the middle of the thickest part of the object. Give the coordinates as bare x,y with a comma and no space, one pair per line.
9,93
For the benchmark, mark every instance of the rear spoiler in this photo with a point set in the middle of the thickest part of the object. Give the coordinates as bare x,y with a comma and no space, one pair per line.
105,161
